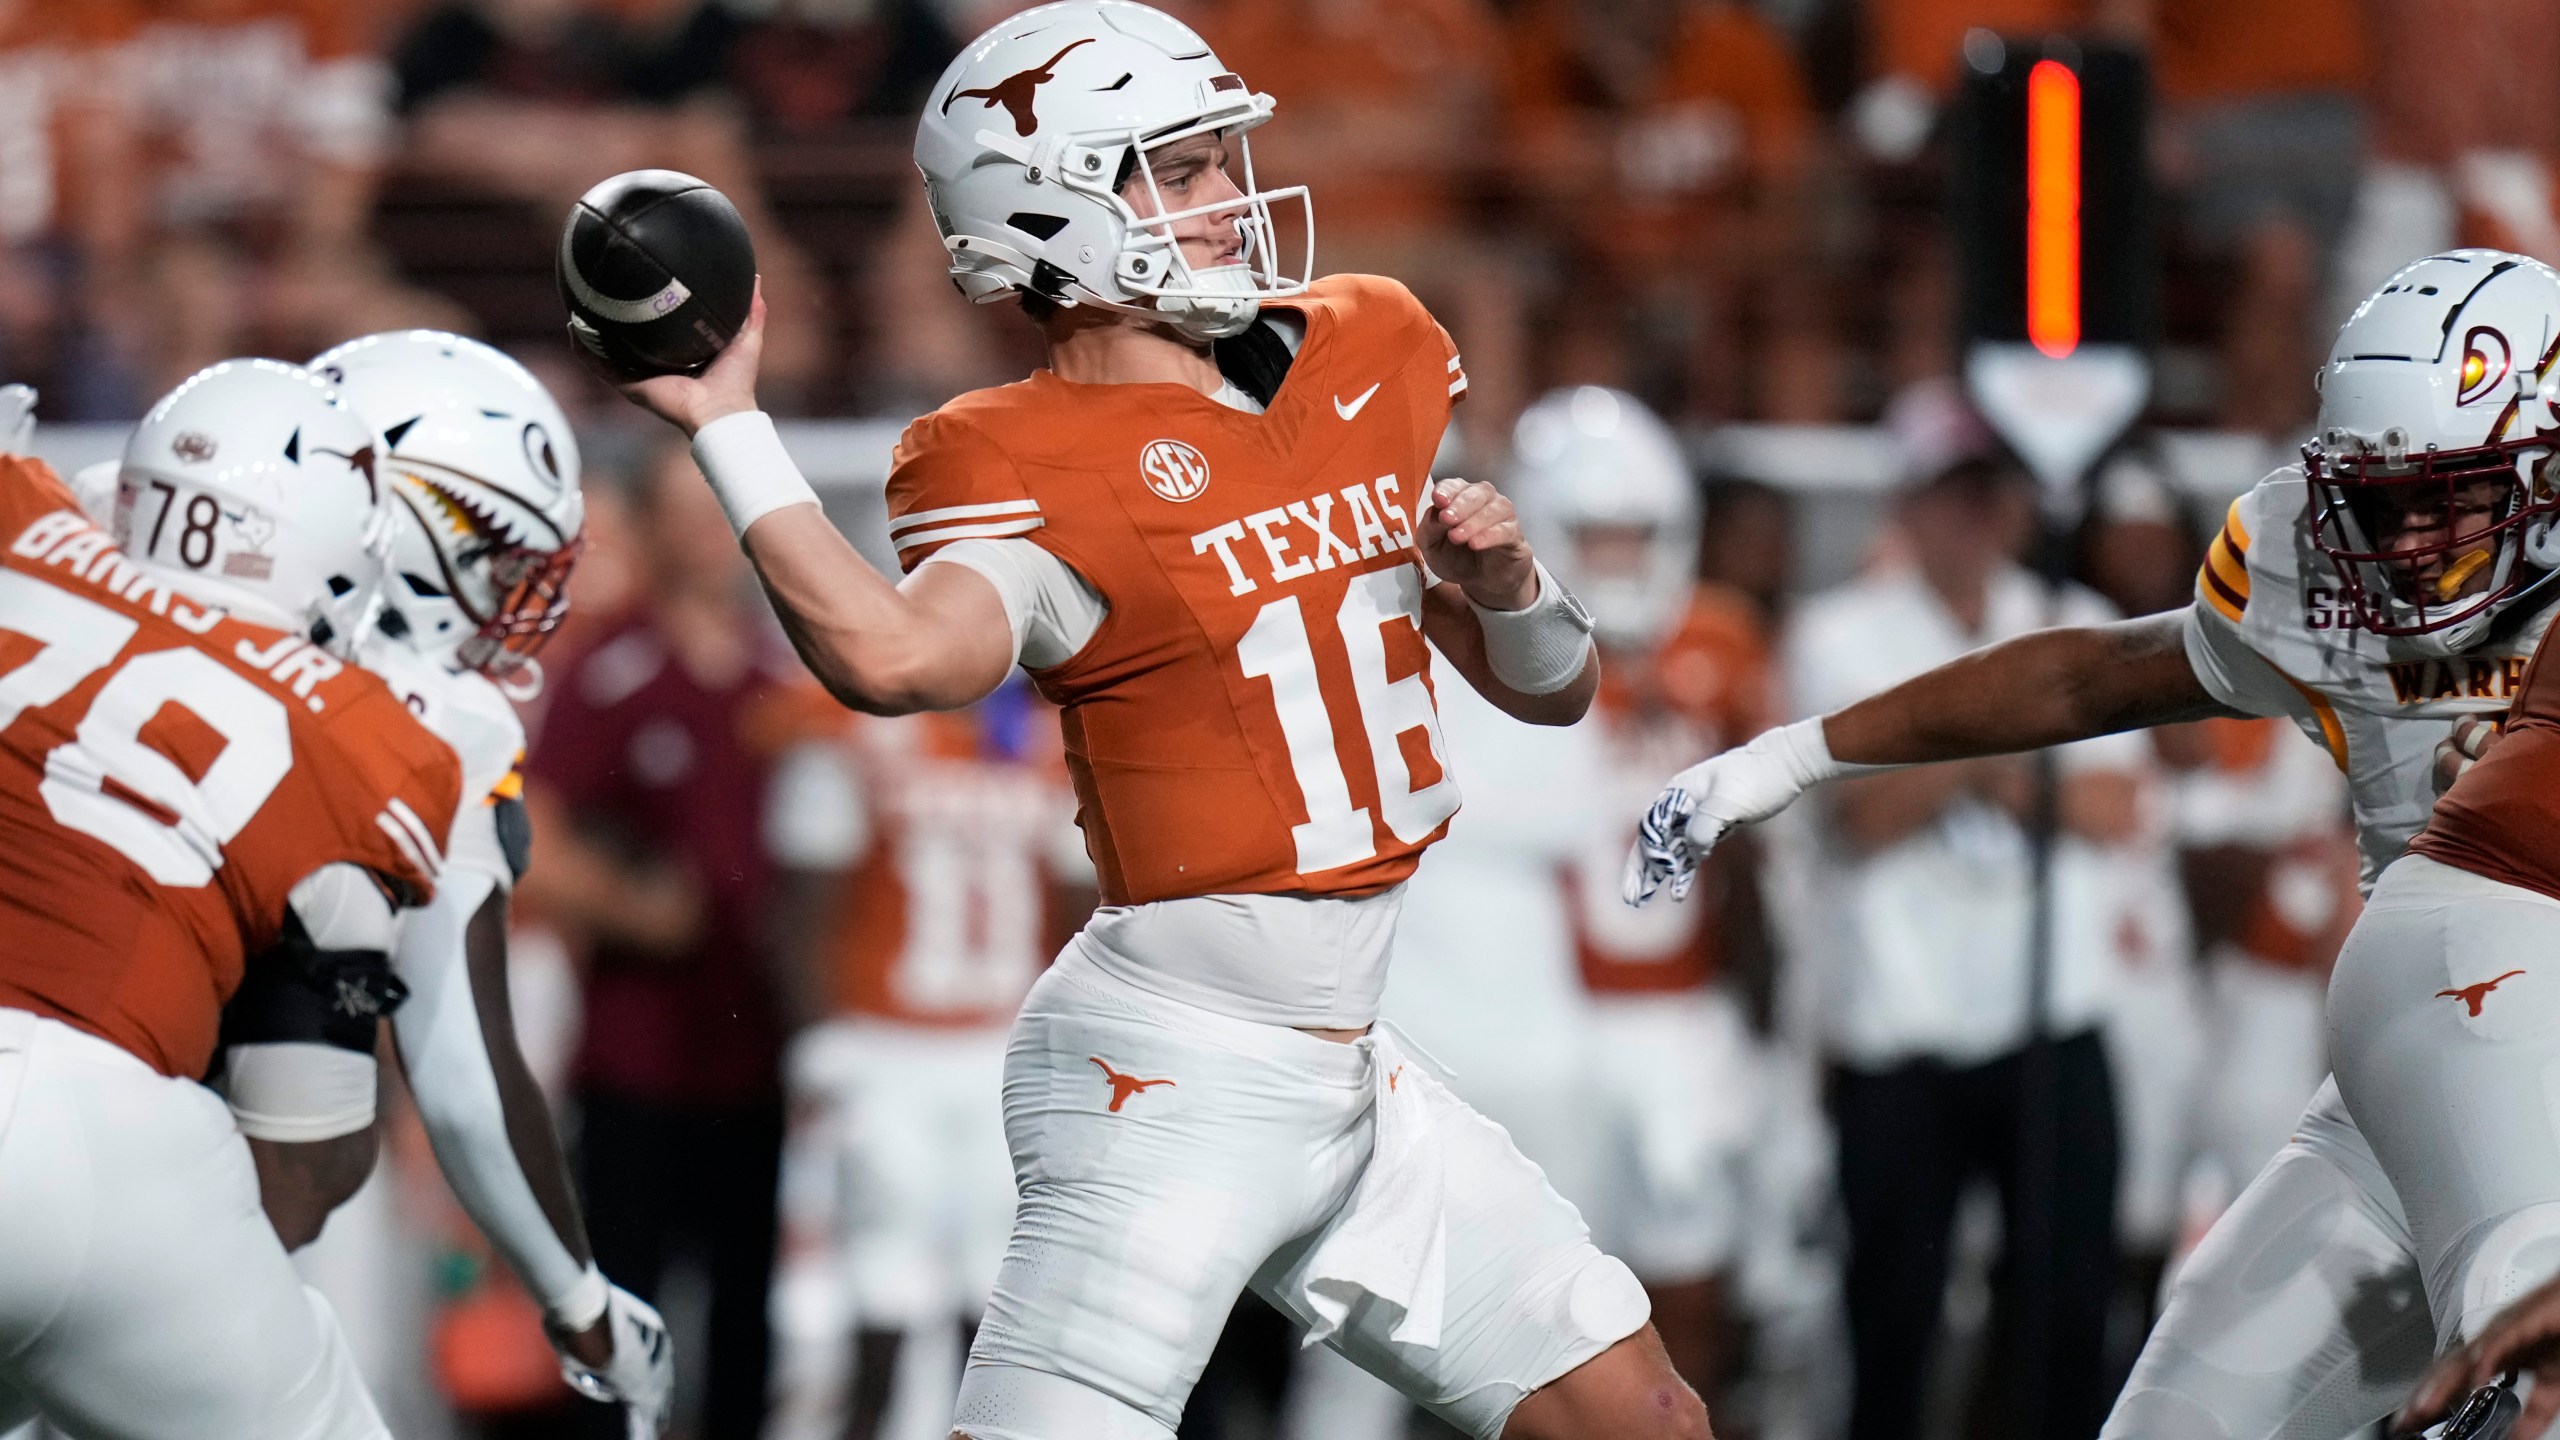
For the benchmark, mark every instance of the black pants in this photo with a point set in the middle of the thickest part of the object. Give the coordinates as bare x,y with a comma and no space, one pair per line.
663,1181
1910,1138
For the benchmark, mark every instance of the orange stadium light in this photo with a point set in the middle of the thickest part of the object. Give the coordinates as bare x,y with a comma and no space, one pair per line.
2053,207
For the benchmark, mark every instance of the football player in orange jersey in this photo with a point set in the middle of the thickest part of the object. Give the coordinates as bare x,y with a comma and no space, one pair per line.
1210,530
943,847
191,773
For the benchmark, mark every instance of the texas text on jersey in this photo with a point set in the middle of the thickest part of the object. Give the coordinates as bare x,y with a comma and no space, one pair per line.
167,775
1705,687
1256,714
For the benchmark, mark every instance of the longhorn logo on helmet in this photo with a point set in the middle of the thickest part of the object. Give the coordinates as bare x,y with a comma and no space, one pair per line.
1015,92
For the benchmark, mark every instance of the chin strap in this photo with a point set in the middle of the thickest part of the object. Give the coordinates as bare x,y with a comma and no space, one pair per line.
1235,315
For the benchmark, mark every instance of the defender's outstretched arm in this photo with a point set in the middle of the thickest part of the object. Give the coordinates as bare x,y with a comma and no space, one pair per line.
936,641
2047,688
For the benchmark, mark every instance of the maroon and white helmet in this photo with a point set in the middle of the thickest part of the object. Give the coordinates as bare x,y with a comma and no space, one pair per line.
481,468
1029,135
2432,490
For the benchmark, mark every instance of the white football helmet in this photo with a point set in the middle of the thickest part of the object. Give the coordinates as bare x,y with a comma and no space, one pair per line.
483,475
1030,134
1591,459
252,486
2441,397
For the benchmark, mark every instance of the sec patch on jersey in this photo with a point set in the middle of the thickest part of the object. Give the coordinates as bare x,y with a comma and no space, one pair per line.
657,272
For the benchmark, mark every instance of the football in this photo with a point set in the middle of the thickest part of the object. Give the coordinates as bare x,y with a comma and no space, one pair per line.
657,272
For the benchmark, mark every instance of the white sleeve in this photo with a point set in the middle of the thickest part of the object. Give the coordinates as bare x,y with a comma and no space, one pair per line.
814,816
2232,672
300,1092
1053,610
450,1076
341,907
475,845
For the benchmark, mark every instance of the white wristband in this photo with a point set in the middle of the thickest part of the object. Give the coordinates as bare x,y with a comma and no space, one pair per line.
1806,753
583,1305
1539,650
748,469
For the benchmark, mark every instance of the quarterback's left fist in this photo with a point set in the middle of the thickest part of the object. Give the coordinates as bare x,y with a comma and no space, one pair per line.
640,1375
1471,535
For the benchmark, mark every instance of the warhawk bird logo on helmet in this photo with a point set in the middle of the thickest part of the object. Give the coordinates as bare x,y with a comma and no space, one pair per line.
1014,92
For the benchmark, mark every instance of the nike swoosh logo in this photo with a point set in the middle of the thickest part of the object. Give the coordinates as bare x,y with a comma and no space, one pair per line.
1352,409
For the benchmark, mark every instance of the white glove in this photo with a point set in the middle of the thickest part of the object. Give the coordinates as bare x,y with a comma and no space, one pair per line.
1738,787
641,1377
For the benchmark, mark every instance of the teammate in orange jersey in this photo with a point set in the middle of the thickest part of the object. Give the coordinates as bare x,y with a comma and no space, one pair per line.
191,772
945,845
1205,529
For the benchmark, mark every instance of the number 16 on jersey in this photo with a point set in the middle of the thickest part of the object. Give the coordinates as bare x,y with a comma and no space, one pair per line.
1277,649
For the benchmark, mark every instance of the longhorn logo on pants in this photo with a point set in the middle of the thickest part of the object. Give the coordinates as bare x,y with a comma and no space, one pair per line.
2470,995
1123,1086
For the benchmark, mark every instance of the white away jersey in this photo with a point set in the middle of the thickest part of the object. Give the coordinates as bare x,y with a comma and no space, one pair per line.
2272,633
467,712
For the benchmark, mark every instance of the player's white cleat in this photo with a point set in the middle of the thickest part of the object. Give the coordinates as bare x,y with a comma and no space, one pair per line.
641,1376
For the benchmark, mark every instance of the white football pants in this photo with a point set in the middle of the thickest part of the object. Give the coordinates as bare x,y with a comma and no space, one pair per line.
143,1294
2300,1317
2420,1193
1168,1157
2444,1028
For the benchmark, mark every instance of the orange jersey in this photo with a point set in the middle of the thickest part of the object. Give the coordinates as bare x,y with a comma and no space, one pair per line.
167,775
2502,818
944,921
1705,690
1256,713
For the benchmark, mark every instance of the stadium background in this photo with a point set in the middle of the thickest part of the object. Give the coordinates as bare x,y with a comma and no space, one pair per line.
1734,210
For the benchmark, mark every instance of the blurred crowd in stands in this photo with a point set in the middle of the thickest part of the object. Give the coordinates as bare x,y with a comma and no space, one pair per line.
1728,207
